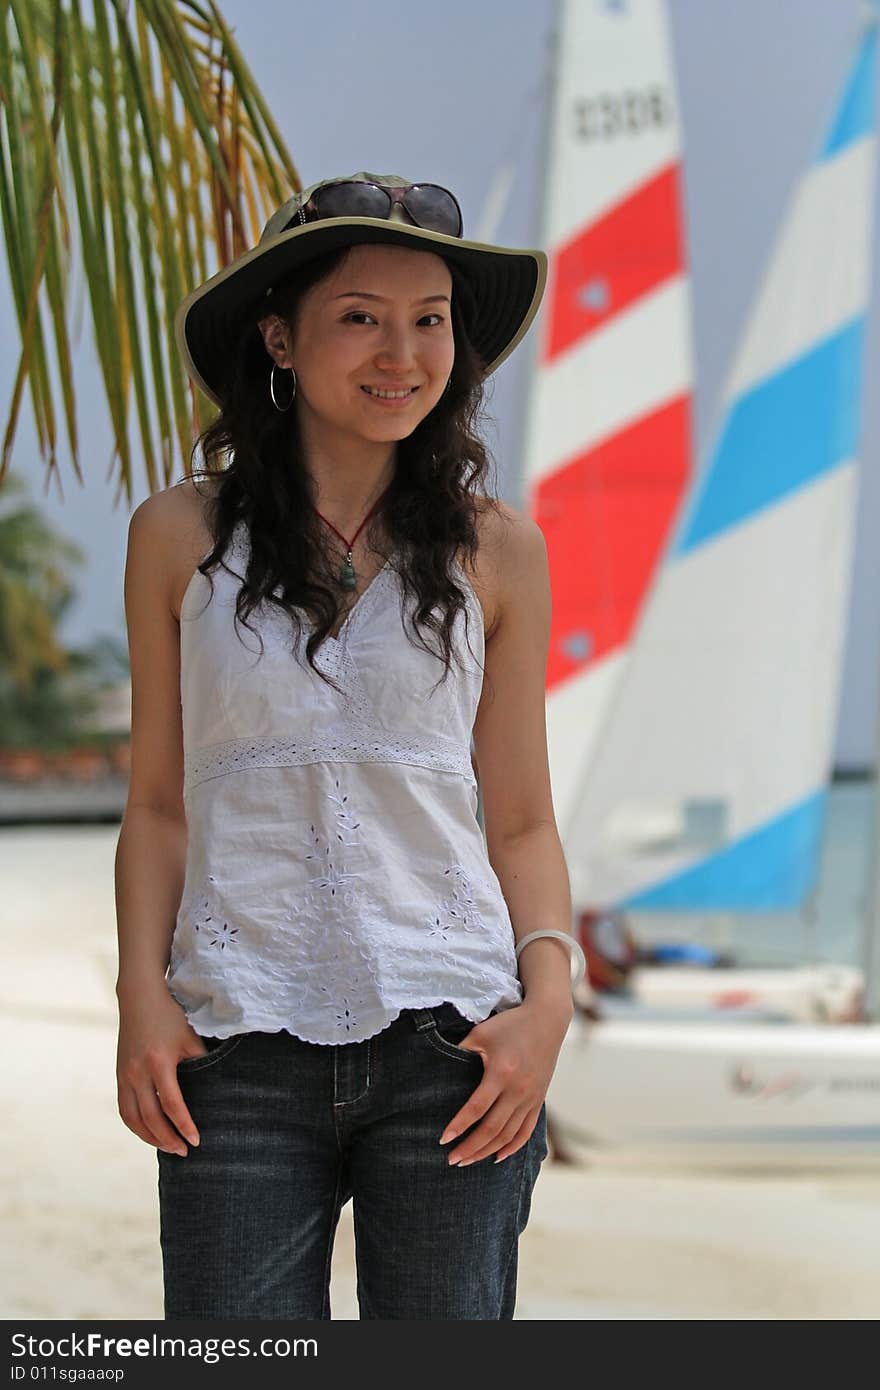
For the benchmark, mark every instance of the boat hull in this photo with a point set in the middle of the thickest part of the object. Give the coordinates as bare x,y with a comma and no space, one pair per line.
806,994
734,1094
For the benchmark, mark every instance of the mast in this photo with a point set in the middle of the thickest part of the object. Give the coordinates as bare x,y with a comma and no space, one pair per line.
538,237
530,346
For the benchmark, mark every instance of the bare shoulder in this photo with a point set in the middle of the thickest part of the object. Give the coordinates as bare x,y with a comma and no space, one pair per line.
174,525
512,552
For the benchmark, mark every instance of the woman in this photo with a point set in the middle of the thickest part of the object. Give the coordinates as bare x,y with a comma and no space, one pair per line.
346,1013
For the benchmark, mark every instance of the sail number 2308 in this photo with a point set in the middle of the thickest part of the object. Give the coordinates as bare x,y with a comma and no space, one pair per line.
609,115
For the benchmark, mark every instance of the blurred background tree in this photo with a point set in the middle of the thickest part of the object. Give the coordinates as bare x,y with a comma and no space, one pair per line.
48,693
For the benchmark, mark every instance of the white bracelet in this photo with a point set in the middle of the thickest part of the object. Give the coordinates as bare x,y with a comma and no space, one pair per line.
579,970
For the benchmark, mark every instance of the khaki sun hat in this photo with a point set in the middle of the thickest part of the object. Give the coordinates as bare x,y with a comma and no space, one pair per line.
507,282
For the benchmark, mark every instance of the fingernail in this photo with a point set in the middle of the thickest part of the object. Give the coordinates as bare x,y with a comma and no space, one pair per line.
193,1138
463,1162
448,1136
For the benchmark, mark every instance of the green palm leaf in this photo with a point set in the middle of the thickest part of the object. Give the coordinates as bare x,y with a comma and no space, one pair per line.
138,154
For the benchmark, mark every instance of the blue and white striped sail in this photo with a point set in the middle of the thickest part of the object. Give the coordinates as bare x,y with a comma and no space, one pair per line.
709,785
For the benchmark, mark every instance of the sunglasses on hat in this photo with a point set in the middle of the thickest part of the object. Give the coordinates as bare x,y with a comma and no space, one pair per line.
430,206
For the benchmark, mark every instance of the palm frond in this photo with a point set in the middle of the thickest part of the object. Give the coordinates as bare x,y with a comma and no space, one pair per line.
138,153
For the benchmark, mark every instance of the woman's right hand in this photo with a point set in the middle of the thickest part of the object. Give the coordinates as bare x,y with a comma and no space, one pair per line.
153,1037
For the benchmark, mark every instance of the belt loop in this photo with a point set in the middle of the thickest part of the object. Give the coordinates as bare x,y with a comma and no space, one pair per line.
422,1019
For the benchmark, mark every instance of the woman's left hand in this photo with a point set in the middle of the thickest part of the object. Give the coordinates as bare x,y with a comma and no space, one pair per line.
519,1048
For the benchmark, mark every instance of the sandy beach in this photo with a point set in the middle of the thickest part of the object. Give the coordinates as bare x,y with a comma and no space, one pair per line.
80,1205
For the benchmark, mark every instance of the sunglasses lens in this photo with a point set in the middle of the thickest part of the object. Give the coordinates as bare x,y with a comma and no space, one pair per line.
429,205
434,208
351,200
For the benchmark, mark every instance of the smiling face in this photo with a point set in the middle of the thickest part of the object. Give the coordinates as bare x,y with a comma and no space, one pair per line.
381,320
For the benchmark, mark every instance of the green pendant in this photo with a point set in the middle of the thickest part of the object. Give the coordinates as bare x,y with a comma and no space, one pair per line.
347,576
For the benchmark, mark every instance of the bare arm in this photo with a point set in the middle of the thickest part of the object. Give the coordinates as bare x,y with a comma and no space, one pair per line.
151,850
510,735
149,873
519,1046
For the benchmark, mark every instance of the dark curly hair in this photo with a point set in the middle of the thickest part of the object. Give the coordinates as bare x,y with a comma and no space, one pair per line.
429,512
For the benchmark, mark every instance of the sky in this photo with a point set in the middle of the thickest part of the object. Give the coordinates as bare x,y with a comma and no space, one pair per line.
447,93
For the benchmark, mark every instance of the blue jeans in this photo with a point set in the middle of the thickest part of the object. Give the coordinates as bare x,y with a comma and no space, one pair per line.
290,1130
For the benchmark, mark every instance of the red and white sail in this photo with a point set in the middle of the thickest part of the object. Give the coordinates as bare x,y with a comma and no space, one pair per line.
608,431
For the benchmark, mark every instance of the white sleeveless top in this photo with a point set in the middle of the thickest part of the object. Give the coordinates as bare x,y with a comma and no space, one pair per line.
336,871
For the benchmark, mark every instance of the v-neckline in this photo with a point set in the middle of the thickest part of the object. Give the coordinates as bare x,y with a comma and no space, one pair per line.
378,577
359,603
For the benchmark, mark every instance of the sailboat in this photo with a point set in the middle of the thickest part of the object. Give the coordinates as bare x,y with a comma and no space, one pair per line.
728,814
690,761
608,454
638,789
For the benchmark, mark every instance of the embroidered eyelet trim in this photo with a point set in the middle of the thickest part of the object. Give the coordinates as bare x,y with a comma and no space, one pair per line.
344,746
332,877
459,909
215,932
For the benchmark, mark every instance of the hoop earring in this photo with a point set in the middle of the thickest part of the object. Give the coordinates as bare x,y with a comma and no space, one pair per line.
282,408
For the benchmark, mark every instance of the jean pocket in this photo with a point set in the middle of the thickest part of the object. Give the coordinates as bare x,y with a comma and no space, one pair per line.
449,1028
539,1135
218,1048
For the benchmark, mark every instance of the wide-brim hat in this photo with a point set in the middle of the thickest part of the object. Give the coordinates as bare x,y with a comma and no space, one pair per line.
507,283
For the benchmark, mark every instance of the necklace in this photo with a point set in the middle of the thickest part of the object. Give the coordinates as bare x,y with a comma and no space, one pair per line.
347,576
